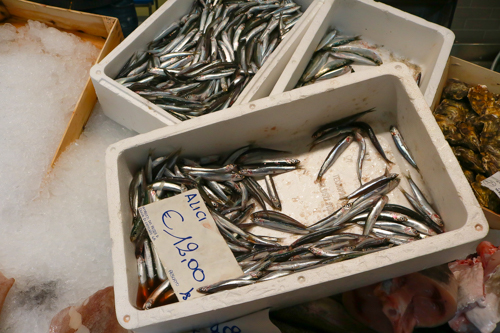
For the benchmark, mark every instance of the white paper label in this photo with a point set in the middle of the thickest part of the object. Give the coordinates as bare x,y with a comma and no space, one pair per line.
189,244
257,322
493,183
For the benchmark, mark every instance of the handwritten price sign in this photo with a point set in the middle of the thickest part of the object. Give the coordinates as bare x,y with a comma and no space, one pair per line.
189,245
493,183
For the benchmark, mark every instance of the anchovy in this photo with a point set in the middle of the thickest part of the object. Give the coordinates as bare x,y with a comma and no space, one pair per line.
280,226
273,193
374,214
326,39
335,73
401,145
314,66
224,285
274,275
427,208
394,237
163,289
334,154
267,170
431,217
362,52
361,155
371,185
338,123
395,227
293,265
341,40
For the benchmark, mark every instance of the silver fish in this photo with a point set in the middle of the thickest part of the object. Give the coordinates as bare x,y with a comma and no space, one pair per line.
401,145
361,155
374,214
334,154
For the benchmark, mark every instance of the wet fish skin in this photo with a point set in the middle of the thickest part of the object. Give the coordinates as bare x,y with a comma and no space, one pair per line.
402,147
273,193
326,39
338,123
423,201
374,214
373,138
361,155
371,185
224,285
334,154
362,52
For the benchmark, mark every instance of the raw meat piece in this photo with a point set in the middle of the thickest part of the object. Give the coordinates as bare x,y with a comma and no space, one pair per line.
461,324
489,257
469,274
424,299
485,319
5,285
95,315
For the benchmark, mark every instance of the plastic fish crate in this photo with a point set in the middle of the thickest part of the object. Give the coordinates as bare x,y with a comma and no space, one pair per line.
473,74
396,35
102,31
286,121
135,112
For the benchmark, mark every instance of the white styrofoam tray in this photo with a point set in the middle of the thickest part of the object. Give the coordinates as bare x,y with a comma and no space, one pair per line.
135,112
396,36
286,121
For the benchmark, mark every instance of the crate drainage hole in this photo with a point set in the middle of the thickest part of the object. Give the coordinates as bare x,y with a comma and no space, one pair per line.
397,67
126,318
98,72
301,279
479,227
252,106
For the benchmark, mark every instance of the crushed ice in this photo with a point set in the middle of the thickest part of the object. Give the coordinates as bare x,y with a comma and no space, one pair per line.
55,237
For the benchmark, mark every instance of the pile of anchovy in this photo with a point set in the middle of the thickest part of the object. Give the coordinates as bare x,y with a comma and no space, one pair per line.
227,186
332,58
201,63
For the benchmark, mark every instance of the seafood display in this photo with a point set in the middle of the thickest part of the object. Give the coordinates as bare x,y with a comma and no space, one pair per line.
468,116
202,62
229,185
333,57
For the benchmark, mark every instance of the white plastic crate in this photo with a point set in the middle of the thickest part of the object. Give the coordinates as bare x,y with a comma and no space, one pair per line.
286,121
135,112
398,36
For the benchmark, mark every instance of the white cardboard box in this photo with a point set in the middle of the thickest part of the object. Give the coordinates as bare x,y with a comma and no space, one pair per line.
287,121
135,112
409,38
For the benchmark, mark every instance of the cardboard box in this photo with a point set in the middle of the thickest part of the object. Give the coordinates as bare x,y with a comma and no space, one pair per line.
286,121
473,74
